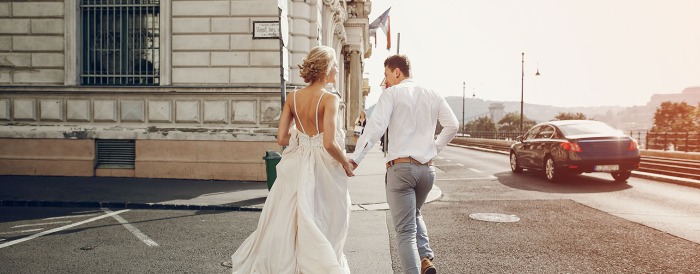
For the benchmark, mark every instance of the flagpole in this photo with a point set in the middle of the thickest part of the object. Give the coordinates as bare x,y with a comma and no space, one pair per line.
398,42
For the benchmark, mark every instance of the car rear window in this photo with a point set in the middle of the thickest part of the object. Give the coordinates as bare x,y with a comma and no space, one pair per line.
588,128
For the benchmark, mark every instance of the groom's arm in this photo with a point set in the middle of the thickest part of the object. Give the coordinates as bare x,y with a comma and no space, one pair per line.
376,125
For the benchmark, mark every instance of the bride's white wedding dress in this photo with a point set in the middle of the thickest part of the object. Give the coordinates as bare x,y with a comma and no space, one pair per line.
304,223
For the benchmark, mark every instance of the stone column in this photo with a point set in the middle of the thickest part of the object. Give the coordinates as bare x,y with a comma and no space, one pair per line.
354,100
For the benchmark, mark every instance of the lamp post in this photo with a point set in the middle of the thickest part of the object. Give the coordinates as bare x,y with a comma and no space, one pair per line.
522,88
464,88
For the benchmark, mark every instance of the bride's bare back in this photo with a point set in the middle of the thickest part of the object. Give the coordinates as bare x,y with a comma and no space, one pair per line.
304,106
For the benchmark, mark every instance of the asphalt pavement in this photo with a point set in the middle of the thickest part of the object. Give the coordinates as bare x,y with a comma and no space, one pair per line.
368,238
368,246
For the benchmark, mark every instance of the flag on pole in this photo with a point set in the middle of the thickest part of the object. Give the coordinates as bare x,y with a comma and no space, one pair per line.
384,23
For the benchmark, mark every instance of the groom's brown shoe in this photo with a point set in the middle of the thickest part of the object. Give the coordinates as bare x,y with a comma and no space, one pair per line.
426,266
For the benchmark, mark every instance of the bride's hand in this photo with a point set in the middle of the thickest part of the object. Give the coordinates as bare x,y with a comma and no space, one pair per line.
348,167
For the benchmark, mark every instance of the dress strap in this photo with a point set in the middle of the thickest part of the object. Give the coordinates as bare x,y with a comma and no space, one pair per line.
318,131
297,113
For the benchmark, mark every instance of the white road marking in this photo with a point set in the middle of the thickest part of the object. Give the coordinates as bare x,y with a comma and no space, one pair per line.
51,223
475,170
10,243
133,230
21,231
2,240
450,165
71,216
469,178
448,160
439,157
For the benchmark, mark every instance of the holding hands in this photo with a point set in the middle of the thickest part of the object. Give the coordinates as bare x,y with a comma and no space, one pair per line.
349,166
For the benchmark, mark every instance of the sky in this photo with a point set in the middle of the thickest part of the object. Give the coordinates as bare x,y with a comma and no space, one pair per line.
588,52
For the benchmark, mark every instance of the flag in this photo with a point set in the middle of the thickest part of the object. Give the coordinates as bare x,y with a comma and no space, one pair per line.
384,23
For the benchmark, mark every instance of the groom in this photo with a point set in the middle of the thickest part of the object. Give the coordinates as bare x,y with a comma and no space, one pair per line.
411,113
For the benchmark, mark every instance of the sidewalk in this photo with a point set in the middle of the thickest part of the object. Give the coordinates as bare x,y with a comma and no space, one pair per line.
366,191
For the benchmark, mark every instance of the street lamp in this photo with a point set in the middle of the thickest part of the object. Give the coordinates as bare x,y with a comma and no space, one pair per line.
464,88
522,89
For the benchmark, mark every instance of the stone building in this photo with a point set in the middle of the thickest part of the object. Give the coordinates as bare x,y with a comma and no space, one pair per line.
162,89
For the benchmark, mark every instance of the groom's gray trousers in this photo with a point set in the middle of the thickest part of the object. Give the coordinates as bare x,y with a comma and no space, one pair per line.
407,187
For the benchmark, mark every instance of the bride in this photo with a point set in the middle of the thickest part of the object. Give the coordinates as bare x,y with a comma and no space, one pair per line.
304,222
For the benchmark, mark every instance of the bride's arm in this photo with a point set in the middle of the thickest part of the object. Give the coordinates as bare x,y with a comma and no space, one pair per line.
329,128
283,128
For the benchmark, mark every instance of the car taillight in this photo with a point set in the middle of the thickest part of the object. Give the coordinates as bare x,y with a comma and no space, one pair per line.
571,147
632,146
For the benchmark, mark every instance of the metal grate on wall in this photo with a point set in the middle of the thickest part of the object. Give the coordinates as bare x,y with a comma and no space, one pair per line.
115,153
121,42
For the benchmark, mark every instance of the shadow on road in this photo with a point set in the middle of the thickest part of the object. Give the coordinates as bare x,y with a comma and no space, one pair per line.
535,181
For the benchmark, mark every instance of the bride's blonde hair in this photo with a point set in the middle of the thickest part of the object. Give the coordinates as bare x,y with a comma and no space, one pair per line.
317,64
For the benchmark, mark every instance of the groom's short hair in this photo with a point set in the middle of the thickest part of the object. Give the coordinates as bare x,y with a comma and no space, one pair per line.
399,61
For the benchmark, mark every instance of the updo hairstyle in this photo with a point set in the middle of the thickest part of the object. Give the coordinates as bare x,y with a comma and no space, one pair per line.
317,64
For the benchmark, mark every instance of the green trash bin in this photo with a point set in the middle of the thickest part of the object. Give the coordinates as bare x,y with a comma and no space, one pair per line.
272,158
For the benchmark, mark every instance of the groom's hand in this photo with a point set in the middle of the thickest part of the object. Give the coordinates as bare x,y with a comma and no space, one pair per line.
354,165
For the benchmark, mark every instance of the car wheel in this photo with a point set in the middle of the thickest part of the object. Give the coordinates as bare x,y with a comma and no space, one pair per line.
551,171
621,176
514,163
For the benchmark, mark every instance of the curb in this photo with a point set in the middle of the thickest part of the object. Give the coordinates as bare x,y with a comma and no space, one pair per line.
667,179
433,195
125,205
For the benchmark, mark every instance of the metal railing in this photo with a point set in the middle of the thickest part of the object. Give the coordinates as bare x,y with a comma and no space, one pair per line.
504,135
670,141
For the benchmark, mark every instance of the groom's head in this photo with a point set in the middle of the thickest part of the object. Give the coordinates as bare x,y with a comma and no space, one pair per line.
396,69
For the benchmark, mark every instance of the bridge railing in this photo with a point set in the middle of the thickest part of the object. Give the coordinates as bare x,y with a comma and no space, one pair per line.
668,141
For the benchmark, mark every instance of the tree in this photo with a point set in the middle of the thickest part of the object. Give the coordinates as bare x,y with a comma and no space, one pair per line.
483,124
570,116
674,117
511,122
697,118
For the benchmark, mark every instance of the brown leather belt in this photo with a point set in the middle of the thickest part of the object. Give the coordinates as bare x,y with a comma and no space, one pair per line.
407,160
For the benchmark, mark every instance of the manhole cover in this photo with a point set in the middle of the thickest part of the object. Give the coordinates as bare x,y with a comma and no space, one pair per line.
494,217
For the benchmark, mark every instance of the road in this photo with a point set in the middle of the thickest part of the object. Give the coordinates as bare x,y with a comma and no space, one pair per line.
587,224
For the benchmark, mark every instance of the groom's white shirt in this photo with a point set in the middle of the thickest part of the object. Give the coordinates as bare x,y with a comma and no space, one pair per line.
411,113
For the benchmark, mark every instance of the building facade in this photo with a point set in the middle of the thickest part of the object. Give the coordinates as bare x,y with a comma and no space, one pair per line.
163,89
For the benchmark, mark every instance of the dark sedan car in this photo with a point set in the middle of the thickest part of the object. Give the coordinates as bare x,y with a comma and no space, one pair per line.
560,148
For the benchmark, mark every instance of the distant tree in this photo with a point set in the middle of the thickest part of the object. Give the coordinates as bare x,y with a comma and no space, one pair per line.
570,116
511,122
482,124
674,117
697,118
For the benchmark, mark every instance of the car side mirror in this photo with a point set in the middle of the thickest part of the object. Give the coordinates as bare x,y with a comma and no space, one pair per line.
519,138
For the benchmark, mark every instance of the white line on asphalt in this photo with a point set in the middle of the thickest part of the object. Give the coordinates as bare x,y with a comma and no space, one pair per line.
2,240
475,170
71,216
448,160
51,223
440,157
450,165
10,243
133,229
470,178
21,231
